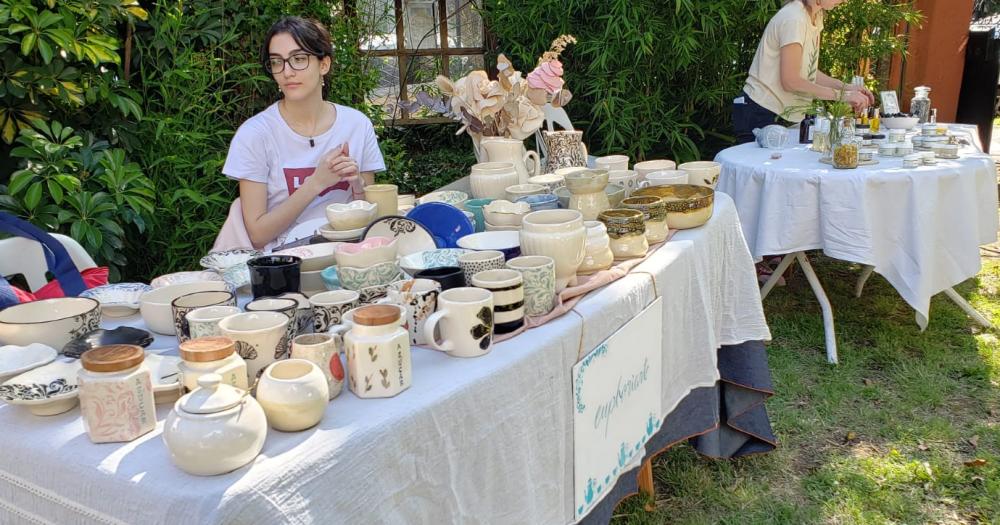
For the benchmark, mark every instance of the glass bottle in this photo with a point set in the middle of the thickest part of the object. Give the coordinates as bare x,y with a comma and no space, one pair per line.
845,148
920,105
821,135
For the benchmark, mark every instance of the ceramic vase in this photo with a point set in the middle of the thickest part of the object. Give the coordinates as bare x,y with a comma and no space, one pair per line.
499,149
564,149
293,394
558,234
489,179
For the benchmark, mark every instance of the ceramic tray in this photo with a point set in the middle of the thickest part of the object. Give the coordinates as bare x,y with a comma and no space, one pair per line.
412,235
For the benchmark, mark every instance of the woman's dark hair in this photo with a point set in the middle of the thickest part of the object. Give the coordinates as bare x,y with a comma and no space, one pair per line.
311,36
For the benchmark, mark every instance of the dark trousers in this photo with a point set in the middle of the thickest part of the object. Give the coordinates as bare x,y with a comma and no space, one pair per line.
749,115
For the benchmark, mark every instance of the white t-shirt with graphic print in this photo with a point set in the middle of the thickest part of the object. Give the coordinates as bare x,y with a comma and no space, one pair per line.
265,149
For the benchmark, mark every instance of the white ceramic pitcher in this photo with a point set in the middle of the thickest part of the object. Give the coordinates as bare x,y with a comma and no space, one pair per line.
499,149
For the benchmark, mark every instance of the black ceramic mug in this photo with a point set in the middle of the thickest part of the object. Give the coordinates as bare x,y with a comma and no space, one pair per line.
272,275
448,276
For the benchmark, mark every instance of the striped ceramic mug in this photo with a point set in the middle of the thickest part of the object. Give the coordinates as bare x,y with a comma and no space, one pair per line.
507,287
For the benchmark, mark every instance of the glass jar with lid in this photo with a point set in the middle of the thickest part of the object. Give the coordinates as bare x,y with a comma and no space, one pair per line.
845,146
211,355
116,394
920,104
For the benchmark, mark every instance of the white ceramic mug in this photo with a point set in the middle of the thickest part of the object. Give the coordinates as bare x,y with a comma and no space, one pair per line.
479,261
664,178
329,307
261,338
465,316
322,350
180,307
646,167
612,162
539,275
420,301
293,394
507,287
285,306
204,321
627,179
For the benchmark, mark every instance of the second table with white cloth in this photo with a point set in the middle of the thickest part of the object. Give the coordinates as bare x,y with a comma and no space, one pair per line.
920,228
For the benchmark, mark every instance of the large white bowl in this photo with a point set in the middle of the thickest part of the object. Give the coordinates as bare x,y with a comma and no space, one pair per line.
350,216
51,322
155,305
899,122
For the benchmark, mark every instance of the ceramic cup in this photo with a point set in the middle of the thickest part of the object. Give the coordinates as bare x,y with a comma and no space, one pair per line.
612,162
329,307
475,262
273,275
261,338
654,211
284,306
508,297
664,178
204,321
184,304
304,314
449,276
646,167
539,275
419,297
465,321
323,351
385,197
627,231
476,207
627,179
293,394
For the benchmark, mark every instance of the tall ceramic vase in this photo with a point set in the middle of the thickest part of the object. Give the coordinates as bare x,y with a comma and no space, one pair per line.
565,150
499,149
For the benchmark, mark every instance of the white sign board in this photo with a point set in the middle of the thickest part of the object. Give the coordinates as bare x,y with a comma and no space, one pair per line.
616,405
890,103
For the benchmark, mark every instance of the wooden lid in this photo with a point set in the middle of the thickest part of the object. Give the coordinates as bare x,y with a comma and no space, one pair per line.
376,315
112,358
205,349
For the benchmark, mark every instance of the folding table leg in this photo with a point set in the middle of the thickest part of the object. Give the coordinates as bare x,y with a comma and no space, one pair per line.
964,305
646,487
862,279
824,304
786,261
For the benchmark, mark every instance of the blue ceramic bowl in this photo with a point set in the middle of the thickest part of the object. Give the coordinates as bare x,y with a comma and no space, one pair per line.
330,278
545,201
508,242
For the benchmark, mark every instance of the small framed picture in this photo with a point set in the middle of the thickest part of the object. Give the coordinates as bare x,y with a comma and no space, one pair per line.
890,102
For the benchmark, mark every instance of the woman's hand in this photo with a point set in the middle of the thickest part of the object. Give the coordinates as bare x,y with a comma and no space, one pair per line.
864,91
344,166
856,99
336,165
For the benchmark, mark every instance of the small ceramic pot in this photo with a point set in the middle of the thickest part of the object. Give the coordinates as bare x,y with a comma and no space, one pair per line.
539,275
627,232
211,355
489,180
215,429
475,206
261,338
419,298
351,215
612,163
649,166
702,173
322,350
520,190
475,262
385,198
204,322
654,214
558,234
598,252
369,252
465,321
507,287
273,275
688,205
329,307
378,352
448,276
190,302
293,394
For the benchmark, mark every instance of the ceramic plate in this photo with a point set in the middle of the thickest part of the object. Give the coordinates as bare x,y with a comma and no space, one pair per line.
446,223
16,360
455,198
330,234
304,229
220,261
46,384
415,262
166,375
118,300
185,277
412,235
123,335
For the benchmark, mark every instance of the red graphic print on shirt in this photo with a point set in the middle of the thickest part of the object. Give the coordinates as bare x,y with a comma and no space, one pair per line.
295,177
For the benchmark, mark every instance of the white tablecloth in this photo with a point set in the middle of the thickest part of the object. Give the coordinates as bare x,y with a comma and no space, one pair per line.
919,227
485,440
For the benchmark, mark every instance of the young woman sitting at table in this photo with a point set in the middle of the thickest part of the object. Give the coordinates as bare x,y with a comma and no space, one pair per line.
785,71
302,152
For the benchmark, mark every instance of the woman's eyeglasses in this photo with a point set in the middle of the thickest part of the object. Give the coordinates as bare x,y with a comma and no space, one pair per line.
298,61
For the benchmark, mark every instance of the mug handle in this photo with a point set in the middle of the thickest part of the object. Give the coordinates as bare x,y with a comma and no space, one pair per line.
430,327
535,163
337,331
644,184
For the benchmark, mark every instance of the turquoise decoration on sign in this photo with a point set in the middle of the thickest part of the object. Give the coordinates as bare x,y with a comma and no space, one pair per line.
623,457
589,494
599,351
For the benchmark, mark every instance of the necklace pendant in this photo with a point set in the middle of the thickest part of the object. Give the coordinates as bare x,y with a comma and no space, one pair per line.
311,143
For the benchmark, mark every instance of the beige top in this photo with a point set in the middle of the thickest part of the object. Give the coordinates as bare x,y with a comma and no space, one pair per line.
791,25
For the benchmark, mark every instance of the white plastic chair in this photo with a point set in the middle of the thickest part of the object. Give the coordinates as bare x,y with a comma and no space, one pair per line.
23,256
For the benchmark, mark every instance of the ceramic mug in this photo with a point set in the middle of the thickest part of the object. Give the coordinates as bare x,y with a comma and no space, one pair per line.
448,276
384,196
475,262
646,167
627,179
323,351
464,319
273,275
192,301
293,394
507,287
284,306
328,307
612,162
664,178
304,314
419,297
476,207
261,338
204,321
539,275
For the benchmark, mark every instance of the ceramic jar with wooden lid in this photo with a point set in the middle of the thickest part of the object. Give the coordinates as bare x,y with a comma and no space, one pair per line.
211,355
116,394
378,352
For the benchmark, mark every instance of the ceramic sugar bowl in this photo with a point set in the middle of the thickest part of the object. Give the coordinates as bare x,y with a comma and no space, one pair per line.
598,252
293,394
378,352
214,429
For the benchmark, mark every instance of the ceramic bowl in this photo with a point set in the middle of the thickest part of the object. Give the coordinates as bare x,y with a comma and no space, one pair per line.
355,278
351,215
118,300
331,280
15,360
494,228
508,242
615,193
587,181
123,335
311,283
688,205
406,200
220,261
649,166
549,180
520,190
314,257
702,173
455,198
566,171
505,213
155,305
369,252
415,262
899,122
331,234
546,201
47,390
52,322
185,277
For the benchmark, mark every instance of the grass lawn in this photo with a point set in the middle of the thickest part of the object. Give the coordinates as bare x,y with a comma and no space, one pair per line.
905,430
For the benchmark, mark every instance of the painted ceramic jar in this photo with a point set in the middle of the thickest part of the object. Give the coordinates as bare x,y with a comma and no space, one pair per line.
215,429
564,149
378,352
558,234
598,252
489,180
654,214
322,350
293,394
587,193
211,355
116,394
627,231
